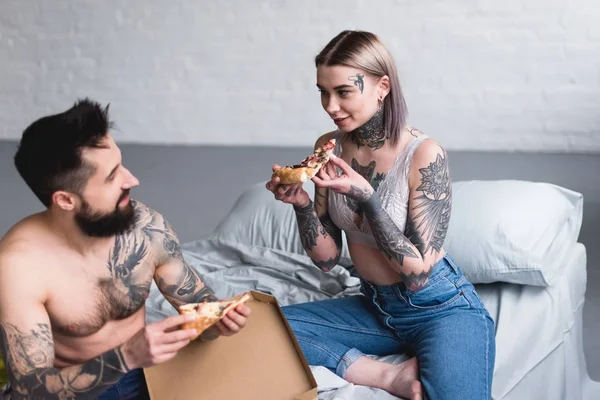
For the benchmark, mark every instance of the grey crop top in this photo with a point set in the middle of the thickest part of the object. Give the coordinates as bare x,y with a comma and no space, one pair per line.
393,192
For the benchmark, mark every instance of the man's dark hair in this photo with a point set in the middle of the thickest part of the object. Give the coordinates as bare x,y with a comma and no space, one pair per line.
49,154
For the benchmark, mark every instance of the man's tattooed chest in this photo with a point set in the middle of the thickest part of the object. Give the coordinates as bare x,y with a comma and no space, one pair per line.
118,291
131,263
131,267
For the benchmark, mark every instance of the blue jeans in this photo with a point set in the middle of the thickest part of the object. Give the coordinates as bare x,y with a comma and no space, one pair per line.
132,386
444,323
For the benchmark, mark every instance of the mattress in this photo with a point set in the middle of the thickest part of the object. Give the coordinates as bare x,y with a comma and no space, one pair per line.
531,321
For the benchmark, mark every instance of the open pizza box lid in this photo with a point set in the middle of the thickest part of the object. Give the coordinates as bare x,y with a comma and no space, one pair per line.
263,361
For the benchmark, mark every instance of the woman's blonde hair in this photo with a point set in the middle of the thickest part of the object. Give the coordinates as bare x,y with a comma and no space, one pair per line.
365,51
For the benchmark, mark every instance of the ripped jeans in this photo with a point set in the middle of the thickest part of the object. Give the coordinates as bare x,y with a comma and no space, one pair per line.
444,324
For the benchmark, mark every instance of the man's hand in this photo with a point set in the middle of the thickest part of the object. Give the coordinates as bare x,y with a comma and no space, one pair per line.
229,325
158,342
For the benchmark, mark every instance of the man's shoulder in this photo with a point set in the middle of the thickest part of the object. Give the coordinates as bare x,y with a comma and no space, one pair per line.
20,261
26,241
150,222
156,228
145,215
24,277
142,209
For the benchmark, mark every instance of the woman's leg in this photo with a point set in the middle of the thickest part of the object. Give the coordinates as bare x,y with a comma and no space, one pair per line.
456,356
334,333
338,333
453,336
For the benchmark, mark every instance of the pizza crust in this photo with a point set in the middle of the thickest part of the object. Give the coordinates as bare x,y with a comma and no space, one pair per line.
209,313
308,168
290,175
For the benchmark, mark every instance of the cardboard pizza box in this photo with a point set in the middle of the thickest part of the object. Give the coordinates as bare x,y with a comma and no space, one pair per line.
263,361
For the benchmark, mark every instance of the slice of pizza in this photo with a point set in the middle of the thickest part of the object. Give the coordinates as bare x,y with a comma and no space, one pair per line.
308,168
210,312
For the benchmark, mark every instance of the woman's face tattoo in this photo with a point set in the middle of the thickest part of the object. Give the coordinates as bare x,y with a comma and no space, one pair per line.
358,80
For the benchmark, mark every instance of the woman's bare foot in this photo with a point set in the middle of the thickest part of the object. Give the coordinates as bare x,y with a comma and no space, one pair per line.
402,380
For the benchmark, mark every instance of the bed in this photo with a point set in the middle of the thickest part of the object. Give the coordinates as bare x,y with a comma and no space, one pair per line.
516,241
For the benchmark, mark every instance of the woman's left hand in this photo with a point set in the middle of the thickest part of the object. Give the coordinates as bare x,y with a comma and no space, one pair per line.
350,183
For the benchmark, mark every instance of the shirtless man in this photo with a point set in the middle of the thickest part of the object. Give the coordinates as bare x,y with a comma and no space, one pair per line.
74,278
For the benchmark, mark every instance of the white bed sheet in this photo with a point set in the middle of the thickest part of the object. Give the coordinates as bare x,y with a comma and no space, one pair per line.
532,322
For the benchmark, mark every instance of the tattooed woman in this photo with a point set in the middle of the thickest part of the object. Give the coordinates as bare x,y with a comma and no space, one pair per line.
74,278
388,188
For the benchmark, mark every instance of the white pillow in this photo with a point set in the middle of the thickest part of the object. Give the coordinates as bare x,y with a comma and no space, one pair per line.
513,231
499,231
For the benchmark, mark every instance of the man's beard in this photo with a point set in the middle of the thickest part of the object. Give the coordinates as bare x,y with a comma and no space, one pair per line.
98,224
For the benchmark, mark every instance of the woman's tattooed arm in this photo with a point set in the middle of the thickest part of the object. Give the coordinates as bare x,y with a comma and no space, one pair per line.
413,252
321,239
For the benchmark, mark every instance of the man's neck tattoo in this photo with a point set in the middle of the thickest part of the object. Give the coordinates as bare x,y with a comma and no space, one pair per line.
371,134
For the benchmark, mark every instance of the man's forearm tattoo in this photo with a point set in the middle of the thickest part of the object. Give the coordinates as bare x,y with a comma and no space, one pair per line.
29,357
186,287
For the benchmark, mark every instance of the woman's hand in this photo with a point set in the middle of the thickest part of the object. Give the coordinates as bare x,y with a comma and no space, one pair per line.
291,194
350,183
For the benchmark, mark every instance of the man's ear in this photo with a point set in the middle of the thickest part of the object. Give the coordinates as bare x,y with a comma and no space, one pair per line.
64,200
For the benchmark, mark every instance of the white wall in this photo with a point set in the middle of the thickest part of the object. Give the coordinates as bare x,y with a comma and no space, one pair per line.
480,75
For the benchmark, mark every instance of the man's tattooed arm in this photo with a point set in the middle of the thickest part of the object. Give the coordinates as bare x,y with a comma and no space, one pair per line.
177,281
320,237
413,252
29,356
